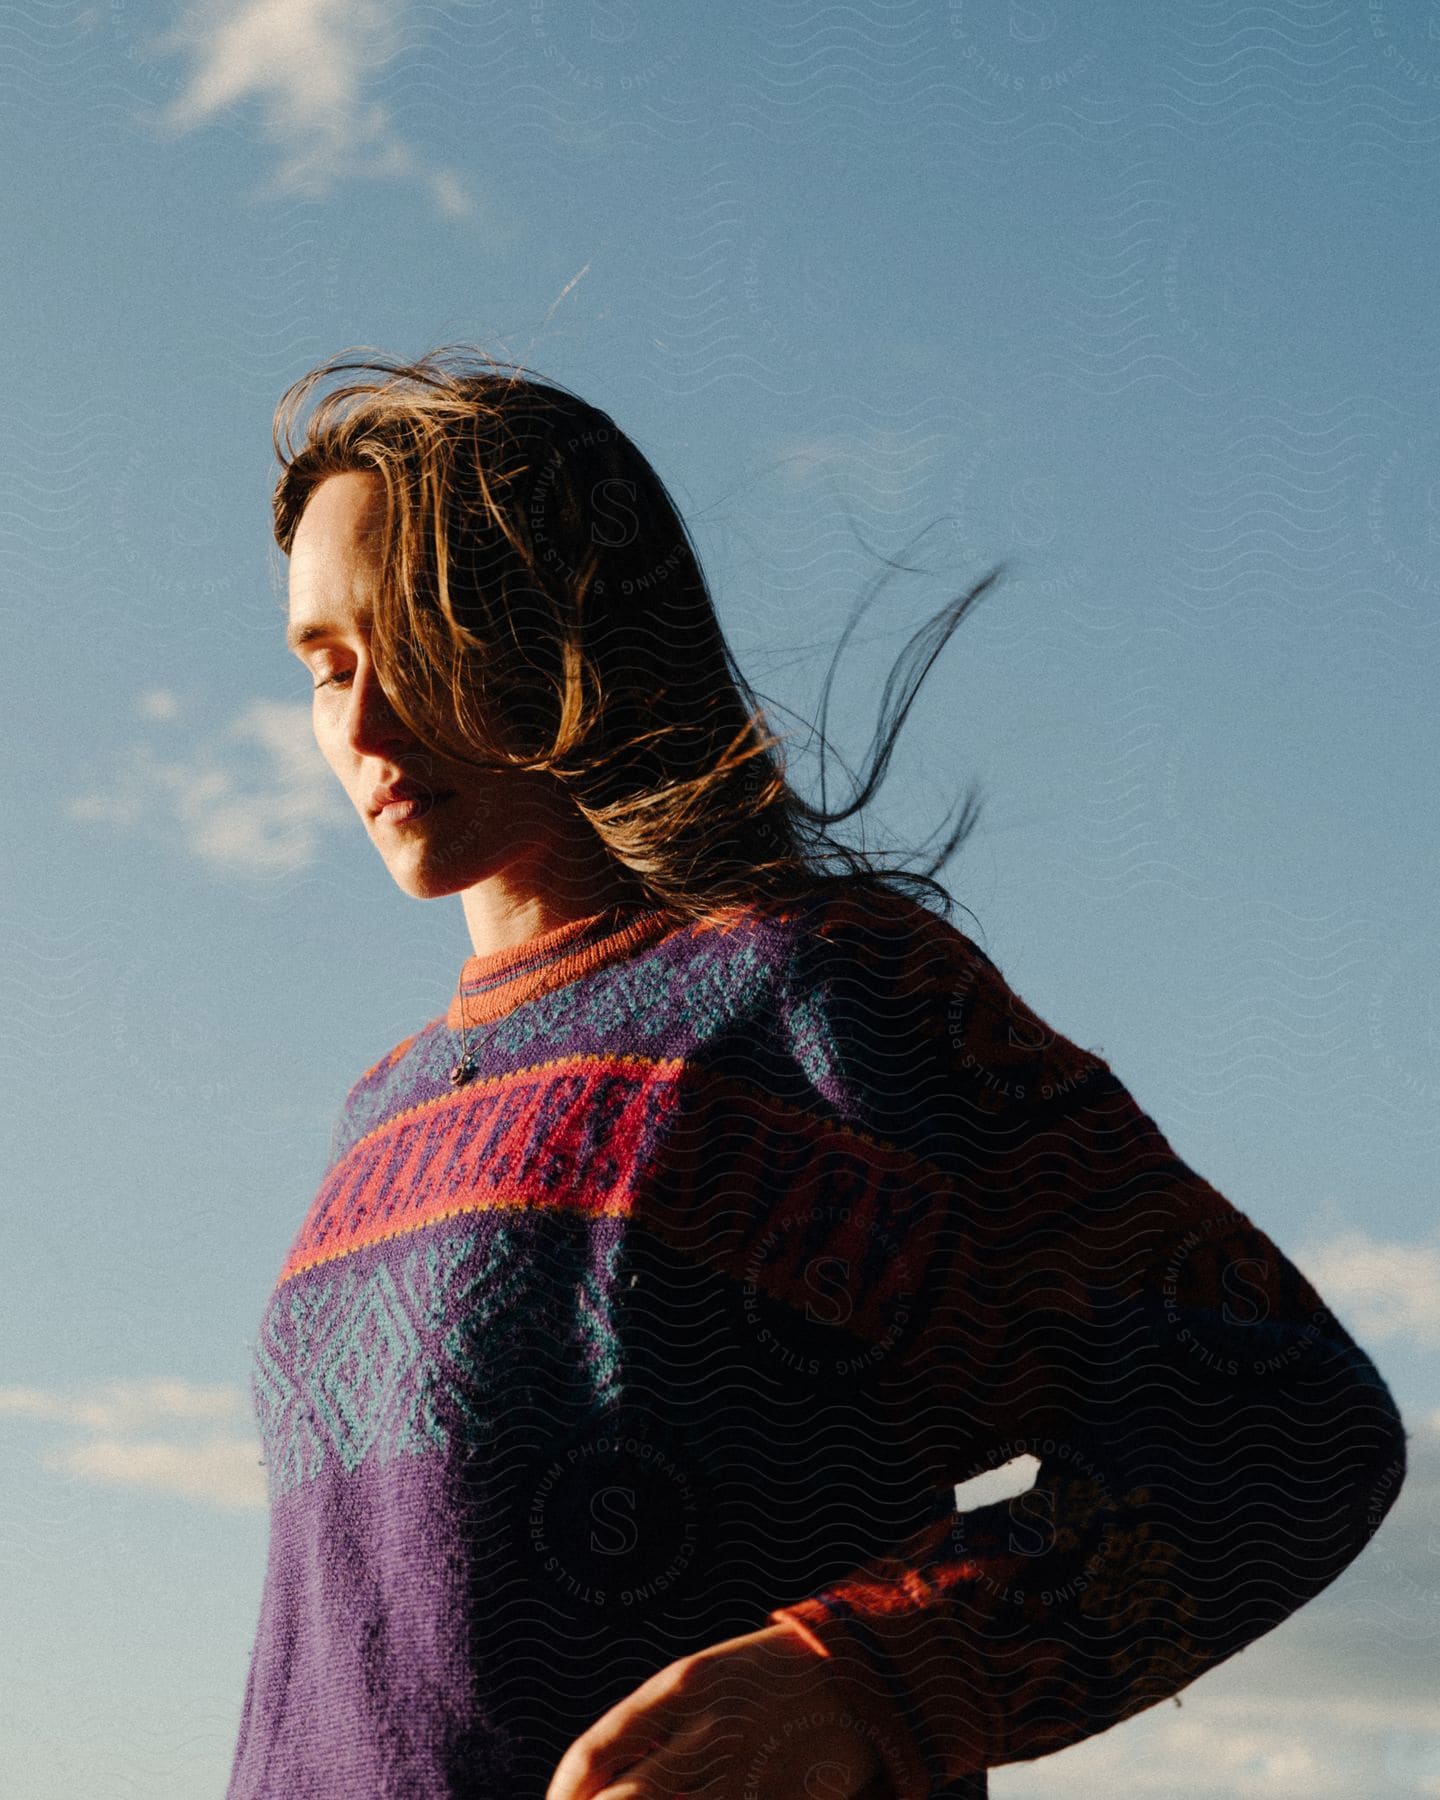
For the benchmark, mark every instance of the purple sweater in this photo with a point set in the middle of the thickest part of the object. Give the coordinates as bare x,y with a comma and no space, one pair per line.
748,1242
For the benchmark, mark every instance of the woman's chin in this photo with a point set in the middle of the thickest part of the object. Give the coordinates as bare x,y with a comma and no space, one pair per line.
422,879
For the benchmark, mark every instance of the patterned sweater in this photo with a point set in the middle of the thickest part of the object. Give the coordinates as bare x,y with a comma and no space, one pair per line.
746,1245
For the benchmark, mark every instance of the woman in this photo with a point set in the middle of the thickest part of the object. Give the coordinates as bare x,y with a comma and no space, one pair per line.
660,1293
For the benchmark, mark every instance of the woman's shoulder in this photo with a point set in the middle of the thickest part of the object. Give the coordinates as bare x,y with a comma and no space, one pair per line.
862,942
883,972
388,1085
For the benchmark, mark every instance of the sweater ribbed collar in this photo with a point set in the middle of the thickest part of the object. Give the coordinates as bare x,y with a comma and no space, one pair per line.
493,985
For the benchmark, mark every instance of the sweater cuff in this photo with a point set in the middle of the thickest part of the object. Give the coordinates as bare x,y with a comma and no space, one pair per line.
868,1690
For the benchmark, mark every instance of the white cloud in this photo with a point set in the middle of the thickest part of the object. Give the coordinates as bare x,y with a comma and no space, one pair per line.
253,801
1260,1747
1339,1700
799,457
1380,1289
219,1465
879,465
128,1405
221,1471
306,64
159,704
1169,1753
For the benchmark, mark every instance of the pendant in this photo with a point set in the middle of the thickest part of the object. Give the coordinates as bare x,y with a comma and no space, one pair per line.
462,1071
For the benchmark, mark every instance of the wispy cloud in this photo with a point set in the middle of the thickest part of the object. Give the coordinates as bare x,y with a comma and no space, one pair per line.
221,1471
159,704
1263,1751
306,64
1381,1288
128,1405
251,800
1340,1700
171,1437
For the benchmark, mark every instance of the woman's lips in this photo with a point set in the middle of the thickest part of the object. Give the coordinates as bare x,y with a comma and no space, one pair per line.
402,812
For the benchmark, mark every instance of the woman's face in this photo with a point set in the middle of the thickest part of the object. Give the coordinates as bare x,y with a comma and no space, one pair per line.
469,823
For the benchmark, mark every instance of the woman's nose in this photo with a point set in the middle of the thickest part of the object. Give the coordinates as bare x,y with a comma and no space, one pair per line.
372,724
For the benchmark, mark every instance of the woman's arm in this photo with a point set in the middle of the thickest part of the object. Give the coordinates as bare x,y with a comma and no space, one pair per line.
1214,1446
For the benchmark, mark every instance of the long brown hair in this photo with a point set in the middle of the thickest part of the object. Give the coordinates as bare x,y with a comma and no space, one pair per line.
542,607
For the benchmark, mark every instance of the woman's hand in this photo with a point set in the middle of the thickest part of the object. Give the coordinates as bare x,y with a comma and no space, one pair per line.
757,1717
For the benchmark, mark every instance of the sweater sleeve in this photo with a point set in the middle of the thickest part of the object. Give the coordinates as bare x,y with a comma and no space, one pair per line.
1213,1446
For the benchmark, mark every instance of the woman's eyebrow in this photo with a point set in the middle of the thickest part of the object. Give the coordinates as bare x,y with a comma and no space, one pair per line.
296,635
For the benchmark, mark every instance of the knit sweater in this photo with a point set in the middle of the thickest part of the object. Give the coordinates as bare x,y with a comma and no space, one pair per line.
749,1243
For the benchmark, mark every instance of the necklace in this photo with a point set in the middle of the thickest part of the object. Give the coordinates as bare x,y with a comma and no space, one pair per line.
467,1066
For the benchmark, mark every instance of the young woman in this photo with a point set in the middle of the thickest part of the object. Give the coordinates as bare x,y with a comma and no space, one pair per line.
660,1293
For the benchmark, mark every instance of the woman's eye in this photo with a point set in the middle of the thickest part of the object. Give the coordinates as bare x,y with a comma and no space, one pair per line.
330,680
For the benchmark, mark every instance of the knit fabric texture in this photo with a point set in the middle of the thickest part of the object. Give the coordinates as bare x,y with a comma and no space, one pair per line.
750,1243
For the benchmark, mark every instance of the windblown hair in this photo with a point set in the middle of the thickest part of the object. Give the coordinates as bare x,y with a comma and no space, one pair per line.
542,607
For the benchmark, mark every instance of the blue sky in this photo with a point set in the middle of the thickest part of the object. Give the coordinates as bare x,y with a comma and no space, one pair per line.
1139,301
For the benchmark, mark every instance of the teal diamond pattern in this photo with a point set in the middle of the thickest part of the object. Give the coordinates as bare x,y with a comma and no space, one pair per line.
364,1368
452,1334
